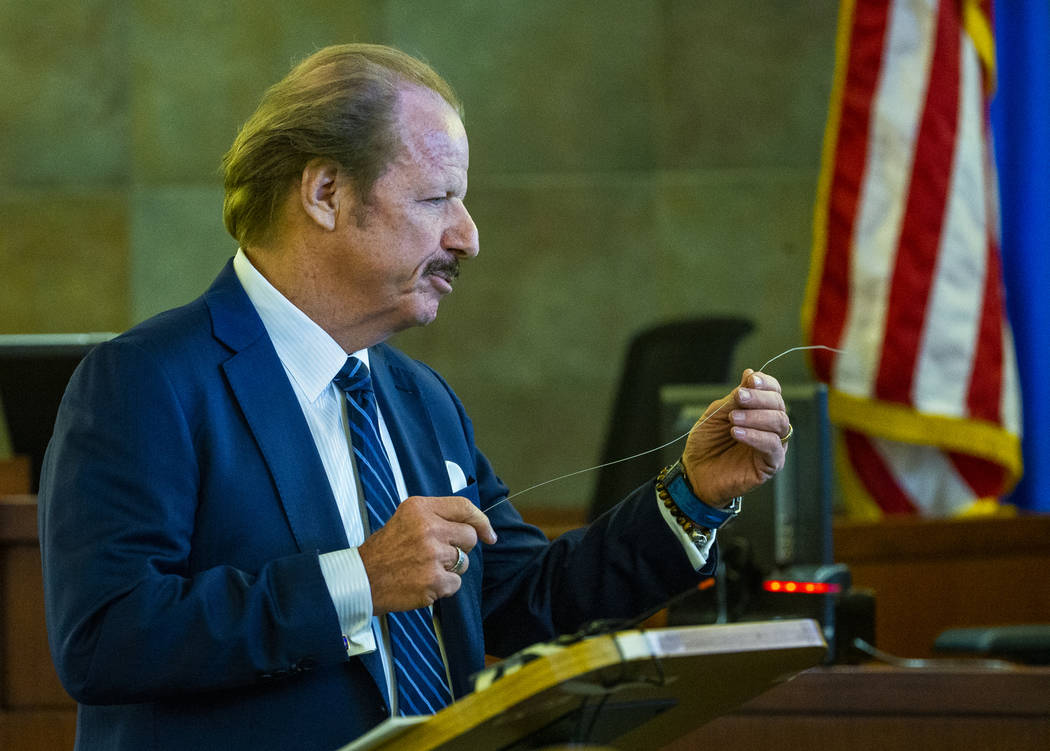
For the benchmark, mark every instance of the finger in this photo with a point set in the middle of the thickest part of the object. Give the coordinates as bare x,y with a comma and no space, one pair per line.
447,585
750,398
765,441
762,381
773,421
461,510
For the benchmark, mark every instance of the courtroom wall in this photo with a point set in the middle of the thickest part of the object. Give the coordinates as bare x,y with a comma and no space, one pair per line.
633,161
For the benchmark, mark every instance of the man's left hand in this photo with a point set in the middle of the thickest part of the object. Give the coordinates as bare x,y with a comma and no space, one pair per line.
737,445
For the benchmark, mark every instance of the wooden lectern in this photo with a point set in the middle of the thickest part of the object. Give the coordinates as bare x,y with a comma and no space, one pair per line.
629,689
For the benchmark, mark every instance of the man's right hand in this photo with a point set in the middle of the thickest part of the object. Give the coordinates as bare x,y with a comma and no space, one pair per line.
408,560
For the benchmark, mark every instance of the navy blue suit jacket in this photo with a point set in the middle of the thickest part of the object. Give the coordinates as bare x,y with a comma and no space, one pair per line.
183,506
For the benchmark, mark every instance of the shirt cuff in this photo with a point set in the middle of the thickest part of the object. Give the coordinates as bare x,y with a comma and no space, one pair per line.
344,575
697,555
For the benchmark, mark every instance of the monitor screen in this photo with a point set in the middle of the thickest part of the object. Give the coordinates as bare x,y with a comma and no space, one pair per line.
786,522
34,372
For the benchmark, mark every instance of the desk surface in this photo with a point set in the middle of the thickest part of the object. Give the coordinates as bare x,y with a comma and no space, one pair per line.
876,708
878,689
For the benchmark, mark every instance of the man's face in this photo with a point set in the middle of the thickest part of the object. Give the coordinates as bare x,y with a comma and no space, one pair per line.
400,251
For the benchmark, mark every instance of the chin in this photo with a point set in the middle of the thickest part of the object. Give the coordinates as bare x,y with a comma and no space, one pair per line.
427,310
418,309
417,318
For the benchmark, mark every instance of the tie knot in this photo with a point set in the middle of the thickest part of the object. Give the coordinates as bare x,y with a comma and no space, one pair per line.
353,376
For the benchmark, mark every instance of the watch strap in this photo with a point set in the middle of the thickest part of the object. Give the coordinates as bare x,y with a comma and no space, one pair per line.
699,512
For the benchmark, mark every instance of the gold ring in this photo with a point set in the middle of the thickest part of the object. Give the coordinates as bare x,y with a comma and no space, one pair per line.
784,440
460,561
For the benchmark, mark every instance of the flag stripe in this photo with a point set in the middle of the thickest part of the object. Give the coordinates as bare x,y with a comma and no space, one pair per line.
927,475
944,369
875,475
923,221
984,400
869,22
895,125
984,478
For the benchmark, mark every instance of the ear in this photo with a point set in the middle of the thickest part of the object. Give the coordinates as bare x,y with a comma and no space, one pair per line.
319,194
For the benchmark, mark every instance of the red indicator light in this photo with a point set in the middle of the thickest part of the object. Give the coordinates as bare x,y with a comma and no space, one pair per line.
796,587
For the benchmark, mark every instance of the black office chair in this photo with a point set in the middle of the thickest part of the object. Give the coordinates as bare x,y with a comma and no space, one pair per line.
688,351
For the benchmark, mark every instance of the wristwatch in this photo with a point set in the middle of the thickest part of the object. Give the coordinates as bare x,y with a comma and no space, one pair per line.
702,515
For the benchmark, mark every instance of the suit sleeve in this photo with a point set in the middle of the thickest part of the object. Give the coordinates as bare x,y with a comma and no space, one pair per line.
625,563
132,616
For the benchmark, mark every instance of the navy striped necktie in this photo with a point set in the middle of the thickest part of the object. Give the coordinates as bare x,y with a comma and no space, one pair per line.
422,687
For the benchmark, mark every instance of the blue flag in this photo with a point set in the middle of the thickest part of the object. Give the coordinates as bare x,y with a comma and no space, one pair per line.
1021,124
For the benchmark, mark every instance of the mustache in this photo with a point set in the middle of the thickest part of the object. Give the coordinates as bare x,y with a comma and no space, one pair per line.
443,267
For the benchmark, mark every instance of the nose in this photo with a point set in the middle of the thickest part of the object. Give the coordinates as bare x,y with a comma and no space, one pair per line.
461,236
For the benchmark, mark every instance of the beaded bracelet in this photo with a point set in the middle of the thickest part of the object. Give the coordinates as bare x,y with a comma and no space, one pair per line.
699,536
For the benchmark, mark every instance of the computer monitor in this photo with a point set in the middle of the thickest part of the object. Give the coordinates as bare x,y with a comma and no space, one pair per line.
786,522
34,372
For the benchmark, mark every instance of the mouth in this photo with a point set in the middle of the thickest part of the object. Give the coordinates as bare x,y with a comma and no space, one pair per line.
443,273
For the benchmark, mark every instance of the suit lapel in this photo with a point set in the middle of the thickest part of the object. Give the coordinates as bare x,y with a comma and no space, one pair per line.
280,430
411,428
261,388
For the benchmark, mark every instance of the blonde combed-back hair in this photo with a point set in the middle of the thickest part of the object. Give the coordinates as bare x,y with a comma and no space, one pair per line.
337,104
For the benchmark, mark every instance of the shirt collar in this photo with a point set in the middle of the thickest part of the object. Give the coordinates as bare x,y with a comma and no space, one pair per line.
309,354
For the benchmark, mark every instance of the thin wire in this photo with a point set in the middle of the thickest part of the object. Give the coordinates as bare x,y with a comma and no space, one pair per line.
658,448
602,466
799,349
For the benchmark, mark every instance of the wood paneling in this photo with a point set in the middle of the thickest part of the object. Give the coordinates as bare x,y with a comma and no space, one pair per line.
35,711
14,474
930,575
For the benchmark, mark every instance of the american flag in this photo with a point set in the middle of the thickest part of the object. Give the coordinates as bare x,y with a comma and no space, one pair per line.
906,277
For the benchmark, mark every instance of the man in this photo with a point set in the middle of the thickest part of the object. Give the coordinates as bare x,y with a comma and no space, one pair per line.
214,574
